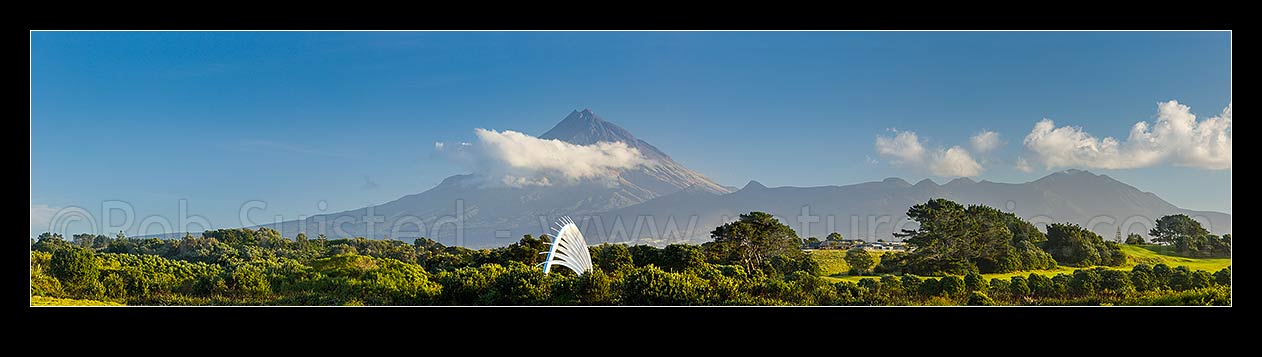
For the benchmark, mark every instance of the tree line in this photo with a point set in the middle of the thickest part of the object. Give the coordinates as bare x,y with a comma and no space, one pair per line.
1188,237
755,260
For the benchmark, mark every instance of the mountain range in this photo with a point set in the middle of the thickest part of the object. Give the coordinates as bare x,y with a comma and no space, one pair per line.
662,202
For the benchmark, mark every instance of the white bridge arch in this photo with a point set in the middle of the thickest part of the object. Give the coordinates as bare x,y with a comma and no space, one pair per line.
569,249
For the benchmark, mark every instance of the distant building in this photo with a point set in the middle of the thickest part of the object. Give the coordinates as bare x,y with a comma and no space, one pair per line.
885,246
858,243
840,244
832,244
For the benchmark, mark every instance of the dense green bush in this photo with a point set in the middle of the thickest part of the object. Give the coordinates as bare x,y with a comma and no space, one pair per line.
978,298
650,285
860,261
258,267
954,239
1073,245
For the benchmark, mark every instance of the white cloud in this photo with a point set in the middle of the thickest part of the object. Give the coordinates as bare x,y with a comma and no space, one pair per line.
514,159
1175,138
41,214
906,150
954,162
1024,165
903,149
985,142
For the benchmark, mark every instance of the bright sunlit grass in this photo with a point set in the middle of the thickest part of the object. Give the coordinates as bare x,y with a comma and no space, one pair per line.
51,301
835,268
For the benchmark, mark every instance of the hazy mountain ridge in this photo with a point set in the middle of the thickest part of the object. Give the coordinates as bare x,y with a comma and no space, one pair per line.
1095,201
500,215
664,201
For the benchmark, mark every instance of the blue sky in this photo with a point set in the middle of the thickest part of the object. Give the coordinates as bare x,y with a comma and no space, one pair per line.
219,119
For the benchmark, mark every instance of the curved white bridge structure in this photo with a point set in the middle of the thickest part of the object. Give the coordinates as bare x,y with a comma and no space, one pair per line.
569,249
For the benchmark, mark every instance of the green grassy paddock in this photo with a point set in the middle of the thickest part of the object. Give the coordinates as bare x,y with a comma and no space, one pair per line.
834,264
52,301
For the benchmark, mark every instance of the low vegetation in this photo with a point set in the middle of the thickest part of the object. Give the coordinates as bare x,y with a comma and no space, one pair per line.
959,255
51,301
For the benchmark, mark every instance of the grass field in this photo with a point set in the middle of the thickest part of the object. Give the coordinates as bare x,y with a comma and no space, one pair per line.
831,262
50,301
835,268
1153,254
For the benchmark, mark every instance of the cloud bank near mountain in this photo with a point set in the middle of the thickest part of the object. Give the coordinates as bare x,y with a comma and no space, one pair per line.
954,162
515,159
1175,138
905,149
985,142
